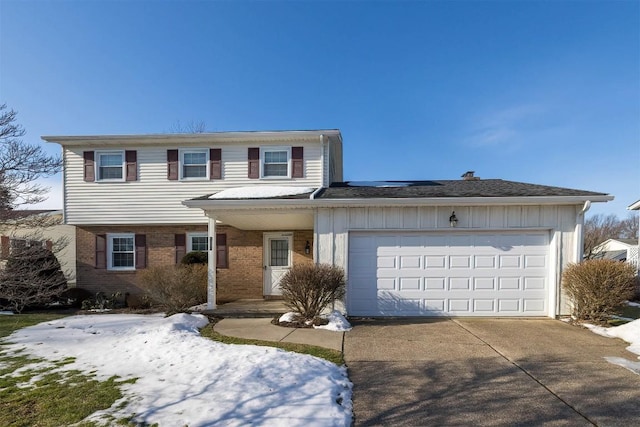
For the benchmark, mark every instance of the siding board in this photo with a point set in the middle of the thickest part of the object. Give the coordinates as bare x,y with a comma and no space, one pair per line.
154,199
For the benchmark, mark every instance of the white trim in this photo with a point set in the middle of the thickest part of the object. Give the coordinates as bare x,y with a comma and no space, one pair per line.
199,150
211,269
634,206
275,148
212,205
96,166
110,237
171,139
189,247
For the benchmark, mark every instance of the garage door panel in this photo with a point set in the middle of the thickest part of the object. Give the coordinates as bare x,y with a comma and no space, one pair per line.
439,274
458,261
484,283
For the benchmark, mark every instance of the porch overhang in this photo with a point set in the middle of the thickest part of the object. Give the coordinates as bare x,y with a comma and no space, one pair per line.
265,220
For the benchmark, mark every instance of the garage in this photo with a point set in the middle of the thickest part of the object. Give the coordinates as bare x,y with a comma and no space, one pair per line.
454,273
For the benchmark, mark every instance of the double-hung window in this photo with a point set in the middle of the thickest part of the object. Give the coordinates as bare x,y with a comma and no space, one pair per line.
121,252
110,165
275,162
193,164
197,242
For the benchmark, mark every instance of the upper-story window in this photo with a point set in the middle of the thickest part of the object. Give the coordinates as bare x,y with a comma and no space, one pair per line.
193,164
110,165
276,162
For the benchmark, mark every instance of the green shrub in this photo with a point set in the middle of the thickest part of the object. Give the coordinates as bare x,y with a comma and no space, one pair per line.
31,277
308,288
102,301
598,287
195,257
175,288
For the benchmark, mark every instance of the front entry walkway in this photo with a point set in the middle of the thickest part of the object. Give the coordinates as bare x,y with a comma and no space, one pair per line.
249,308
488,372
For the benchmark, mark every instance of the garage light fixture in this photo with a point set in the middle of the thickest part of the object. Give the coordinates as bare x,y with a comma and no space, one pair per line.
307,248
453,221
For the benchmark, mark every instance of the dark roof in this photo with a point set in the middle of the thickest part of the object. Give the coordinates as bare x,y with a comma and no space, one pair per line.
19,214
445,188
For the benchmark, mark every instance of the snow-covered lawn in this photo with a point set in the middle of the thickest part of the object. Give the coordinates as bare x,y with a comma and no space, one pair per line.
630,332
185,379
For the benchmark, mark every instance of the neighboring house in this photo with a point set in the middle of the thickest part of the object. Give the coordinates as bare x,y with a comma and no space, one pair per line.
636,207
618,250
263,201
22,228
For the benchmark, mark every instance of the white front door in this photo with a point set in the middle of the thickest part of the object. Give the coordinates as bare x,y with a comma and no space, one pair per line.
277,260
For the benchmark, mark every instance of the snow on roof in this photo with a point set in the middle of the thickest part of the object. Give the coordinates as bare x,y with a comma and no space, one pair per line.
260,192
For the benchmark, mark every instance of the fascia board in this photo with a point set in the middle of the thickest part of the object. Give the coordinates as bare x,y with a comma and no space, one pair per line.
634,206
436,201
217,137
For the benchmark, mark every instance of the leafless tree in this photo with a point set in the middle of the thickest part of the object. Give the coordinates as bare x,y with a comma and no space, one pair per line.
599,228
189,127
21,165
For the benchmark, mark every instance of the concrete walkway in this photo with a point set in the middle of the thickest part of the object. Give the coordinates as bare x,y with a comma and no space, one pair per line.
488,372
263,329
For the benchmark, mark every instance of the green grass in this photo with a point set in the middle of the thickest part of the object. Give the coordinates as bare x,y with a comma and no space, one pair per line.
628,311
40,396
333,356
8,324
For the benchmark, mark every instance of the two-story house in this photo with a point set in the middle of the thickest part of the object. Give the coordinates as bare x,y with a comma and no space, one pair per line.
260,202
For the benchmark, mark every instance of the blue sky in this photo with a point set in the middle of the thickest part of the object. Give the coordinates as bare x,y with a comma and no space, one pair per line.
545,92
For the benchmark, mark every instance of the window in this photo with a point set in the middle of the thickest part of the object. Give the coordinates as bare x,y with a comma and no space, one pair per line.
17,244
121,252
193,164
275,162
197,242
110,166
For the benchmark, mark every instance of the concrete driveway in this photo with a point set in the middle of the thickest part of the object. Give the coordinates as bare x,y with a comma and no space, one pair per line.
489,372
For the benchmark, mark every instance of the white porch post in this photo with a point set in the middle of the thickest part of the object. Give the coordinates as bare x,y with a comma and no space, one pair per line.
211,285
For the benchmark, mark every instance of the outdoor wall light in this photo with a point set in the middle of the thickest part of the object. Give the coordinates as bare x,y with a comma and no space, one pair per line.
307,248
453,221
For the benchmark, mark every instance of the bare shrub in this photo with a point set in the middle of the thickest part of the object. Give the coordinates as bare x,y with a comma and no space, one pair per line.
308,288
599,287
31,277
175,288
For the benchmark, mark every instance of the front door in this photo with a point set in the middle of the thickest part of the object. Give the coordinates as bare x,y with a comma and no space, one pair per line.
277,260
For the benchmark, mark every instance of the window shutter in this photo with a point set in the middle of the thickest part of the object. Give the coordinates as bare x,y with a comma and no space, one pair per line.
49,245
131,162
297,162
172,165
4,247
141,251
215,163
101,251
181,247
222,255
89,170
254,163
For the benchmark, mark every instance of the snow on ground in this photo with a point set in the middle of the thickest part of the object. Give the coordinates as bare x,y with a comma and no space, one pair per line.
185,379
337,323
6,313
260,192
630,332
633,304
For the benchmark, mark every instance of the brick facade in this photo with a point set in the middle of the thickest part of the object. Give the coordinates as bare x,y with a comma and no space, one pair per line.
243,278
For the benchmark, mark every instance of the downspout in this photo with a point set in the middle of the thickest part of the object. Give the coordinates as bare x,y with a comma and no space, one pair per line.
579,237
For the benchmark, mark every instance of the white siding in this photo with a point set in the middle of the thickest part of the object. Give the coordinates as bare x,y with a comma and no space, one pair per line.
153,199
333,226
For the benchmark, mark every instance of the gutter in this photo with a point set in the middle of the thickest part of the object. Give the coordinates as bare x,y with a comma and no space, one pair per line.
225,204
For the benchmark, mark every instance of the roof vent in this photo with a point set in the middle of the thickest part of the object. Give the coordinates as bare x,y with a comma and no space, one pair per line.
468,176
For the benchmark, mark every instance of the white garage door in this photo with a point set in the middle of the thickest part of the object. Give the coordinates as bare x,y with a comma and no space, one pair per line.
448,274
